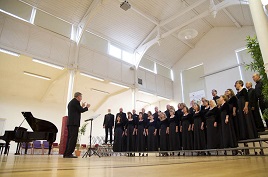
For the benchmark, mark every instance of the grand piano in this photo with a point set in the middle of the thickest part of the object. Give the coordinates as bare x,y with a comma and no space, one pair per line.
42,130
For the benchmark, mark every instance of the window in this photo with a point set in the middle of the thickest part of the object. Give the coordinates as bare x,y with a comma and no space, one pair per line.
148,65
94,42
114,51
128,57
52,23
16,9
163,71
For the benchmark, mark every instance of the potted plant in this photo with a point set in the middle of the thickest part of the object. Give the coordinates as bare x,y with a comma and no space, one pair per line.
257,65
81,131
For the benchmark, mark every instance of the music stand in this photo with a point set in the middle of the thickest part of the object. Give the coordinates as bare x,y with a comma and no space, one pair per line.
90,152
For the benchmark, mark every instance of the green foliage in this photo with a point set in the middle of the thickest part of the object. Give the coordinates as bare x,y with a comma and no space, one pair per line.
265,114
81,131
257,65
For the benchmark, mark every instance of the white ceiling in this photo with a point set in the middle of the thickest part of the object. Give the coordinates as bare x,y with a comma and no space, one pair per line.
130,28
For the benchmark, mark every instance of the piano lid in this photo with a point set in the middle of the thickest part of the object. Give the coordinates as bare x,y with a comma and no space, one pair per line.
39,125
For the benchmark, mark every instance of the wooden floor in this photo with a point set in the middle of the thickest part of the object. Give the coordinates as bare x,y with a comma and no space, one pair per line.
121,166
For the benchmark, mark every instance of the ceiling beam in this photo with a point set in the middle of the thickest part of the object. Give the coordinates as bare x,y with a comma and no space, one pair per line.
230,16
52,83
181,13
148,36
147,16
93,9
185,42
142,49
97,106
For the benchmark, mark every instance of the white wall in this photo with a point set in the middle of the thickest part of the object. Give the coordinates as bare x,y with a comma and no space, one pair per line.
216,50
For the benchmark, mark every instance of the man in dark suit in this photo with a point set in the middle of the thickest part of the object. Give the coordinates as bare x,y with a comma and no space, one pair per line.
254,107
258,89
214,93
263,104
135,117
123,116
144,116
108,124
74,117
167,111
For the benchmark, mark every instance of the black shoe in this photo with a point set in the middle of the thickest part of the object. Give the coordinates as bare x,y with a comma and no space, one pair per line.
69,156
261,129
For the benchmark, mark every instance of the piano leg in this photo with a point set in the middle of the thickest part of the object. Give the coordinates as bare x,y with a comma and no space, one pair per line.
49,148
26,148
18,148
6,148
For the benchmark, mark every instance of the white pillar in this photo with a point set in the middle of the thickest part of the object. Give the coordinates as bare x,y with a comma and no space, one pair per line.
261,26
70,88
133,98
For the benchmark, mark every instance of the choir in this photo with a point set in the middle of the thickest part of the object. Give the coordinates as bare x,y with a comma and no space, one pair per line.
217,123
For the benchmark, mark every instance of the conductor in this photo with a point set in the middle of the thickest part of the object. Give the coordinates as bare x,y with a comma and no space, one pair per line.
74,115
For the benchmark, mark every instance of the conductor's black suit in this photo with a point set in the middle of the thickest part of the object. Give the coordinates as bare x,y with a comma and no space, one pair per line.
74,117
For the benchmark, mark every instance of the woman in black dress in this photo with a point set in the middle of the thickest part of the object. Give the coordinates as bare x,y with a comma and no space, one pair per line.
140,132
212,119
232,102
198,129
173,130
186,129
151,133
163,132
247,128
204,111
130,132
228,140
118,134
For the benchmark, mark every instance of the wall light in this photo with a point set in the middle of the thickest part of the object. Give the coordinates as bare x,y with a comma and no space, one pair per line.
9,52
48,64
163,98
100,91
118,85
146,93
92,77
36,75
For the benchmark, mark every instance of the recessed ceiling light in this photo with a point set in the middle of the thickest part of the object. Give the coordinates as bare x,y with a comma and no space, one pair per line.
48,64
36,75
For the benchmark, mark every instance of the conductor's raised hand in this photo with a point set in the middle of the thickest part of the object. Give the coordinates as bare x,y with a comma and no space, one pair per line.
83,104
88,105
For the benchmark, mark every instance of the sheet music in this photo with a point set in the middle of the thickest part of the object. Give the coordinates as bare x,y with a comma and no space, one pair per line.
93,117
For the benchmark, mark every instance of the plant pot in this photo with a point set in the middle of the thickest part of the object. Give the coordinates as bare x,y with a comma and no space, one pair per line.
77,153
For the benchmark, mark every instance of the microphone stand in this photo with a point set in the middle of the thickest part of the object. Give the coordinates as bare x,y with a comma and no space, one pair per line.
91,151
